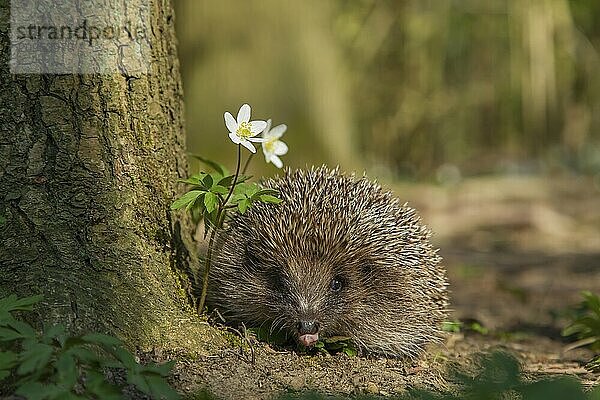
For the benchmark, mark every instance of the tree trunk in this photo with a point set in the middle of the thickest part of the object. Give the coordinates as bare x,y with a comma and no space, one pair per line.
88,169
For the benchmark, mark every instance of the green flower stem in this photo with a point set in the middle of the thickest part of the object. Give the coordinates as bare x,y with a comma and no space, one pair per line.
235,177
220,219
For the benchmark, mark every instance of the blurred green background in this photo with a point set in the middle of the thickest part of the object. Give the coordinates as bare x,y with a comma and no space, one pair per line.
416,89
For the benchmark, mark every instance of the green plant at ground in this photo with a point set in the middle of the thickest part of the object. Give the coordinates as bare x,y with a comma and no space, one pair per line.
52,365
337,344
499,377
474,326
454,326
586,322
585,326
457,326
331,345
213,195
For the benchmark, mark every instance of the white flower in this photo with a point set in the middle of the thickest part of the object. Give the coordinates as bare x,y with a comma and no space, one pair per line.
272,146
243,130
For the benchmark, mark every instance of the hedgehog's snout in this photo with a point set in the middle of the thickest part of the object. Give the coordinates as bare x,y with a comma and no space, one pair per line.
308,332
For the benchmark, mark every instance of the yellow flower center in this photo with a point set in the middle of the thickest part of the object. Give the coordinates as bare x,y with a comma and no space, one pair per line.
270,145
244,131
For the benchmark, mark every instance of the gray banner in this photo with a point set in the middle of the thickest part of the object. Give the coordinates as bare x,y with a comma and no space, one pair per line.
79,36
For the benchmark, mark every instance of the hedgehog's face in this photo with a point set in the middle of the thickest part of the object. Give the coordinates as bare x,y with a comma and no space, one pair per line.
308,296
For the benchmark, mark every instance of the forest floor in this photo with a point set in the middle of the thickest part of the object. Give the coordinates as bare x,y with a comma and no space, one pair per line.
518,253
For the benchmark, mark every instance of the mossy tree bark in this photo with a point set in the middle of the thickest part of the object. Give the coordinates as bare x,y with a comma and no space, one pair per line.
88,168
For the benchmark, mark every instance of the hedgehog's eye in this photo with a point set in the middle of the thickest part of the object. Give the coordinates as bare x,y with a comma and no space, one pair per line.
336,284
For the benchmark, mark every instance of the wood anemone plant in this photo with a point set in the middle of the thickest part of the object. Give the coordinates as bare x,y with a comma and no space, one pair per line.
214,195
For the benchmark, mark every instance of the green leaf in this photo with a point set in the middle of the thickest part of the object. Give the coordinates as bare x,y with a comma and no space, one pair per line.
193,180
242,179
197,204
219,189
270,199
8,359
211,201
54,332
84,355
554,389
99,338
591,302
2,220
97,385
216,178
154,385
213,164
9,334
67,395
163,369
67,370
586,326
272,192
266,195
207,182
246,188
451,326
264,334
186,199
23,328
236,198
161,389
335,346
33,391
11,303
35,358
73,341
350,351
125,357
244,205
210,219
477,327
226,181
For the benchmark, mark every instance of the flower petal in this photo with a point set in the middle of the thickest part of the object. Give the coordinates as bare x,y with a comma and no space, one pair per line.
257,127
243,114
276,161
230,122
278,131
280,148
267,129
248,145
235,138
257,139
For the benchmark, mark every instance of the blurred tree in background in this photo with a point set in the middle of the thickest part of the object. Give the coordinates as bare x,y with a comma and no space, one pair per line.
413,88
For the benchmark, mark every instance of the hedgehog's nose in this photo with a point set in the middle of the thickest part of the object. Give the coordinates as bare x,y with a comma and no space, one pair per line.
308,332
308,327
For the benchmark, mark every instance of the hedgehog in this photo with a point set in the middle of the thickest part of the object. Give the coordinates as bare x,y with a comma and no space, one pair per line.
339,256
